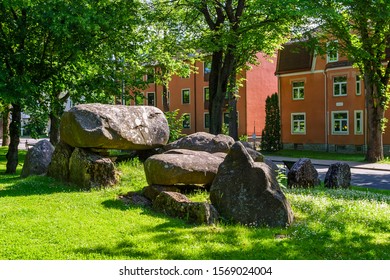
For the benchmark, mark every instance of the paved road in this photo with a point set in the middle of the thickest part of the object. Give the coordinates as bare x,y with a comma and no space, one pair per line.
378,179
363,174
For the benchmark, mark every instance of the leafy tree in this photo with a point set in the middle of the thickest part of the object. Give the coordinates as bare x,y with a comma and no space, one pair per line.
362,28
5,111
233,32
50,46
271,134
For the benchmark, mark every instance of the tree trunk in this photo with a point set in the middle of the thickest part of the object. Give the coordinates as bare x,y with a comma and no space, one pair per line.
233,116
12,154
54,133
6,122
165,98
375,116
221,70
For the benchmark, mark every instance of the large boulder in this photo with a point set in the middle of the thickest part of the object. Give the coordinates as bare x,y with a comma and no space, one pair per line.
89,170
37,159
248,193
303,174
114,127
180,166
178,205
203,141
59,165
338,176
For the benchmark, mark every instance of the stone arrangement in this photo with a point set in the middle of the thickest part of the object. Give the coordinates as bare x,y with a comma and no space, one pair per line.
89,130
242,183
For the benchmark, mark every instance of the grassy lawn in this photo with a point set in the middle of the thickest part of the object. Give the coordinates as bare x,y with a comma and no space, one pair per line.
44,219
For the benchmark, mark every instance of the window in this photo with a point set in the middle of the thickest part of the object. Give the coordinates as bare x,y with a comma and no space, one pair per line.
206,94
206,67
298,123
332,54
186,121
151,99
206,120
298,90
340,86
139,98
226,119
359,122
185,96
358,86
340,122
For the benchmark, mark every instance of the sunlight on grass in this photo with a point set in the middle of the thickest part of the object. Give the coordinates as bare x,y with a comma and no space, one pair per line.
42,218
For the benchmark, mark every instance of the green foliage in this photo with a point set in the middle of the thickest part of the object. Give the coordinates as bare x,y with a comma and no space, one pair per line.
175,124
271,134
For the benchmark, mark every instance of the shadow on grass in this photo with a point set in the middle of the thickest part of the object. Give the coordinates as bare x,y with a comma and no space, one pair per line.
319,233
34,185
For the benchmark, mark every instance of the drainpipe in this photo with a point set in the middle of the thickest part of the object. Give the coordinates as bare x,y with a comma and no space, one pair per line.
326,111
280,109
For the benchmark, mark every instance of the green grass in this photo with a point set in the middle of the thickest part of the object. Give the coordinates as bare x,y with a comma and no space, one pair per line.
44,219
317,155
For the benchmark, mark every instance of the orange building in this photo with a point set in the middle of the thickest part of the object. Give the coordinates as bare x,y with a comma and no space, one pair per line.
190,96
322,102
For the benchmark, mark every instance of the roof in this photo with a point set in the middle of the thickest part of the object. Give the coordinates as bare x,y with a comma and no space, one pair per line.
294,57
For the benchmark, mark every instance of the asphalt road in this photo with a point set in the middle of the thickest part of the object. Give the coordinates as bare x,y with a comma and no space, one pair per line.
378,179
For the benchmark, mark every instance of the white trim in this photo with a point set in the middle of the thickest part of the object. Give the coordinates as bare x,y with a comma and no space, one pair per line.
327,52
356,85
332,123
154,98
204,120
299,73
189,116
298,87
189,96
292,123
361,122
339,84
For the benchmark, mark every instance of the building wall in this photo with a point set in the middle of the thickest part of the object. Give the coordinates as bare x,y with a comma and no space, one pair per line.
260,82
321,106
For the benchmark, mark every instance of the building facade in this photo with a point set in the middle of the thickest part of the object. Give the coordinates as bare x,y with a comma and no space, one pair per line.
322,102
190,96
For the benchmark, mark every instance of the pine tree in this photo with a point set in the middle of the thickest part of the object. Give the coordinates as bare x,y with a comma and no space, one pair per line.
270,136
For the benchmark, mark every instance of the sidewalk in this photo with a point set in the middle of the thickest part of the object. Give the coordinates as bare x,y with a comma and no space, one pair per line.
24,140
357,165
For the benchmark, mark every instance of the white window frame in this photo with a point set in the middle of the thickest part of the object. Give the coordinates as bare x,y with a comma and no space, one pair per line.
204,94
300,89
329,57
189,96
299,121
154,98
339,85
334,132
358,119
204,120
358,85
189,121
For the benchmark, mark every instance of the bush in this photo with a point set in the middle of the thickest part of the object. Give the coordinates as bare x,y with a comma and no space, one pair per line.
270,136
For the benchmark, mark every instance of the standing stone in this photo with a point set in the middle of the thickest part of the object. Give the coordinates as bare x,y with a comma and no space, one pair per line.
303,174
59,165
203,141
114,127
37,159
338,176
89,170
248,193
